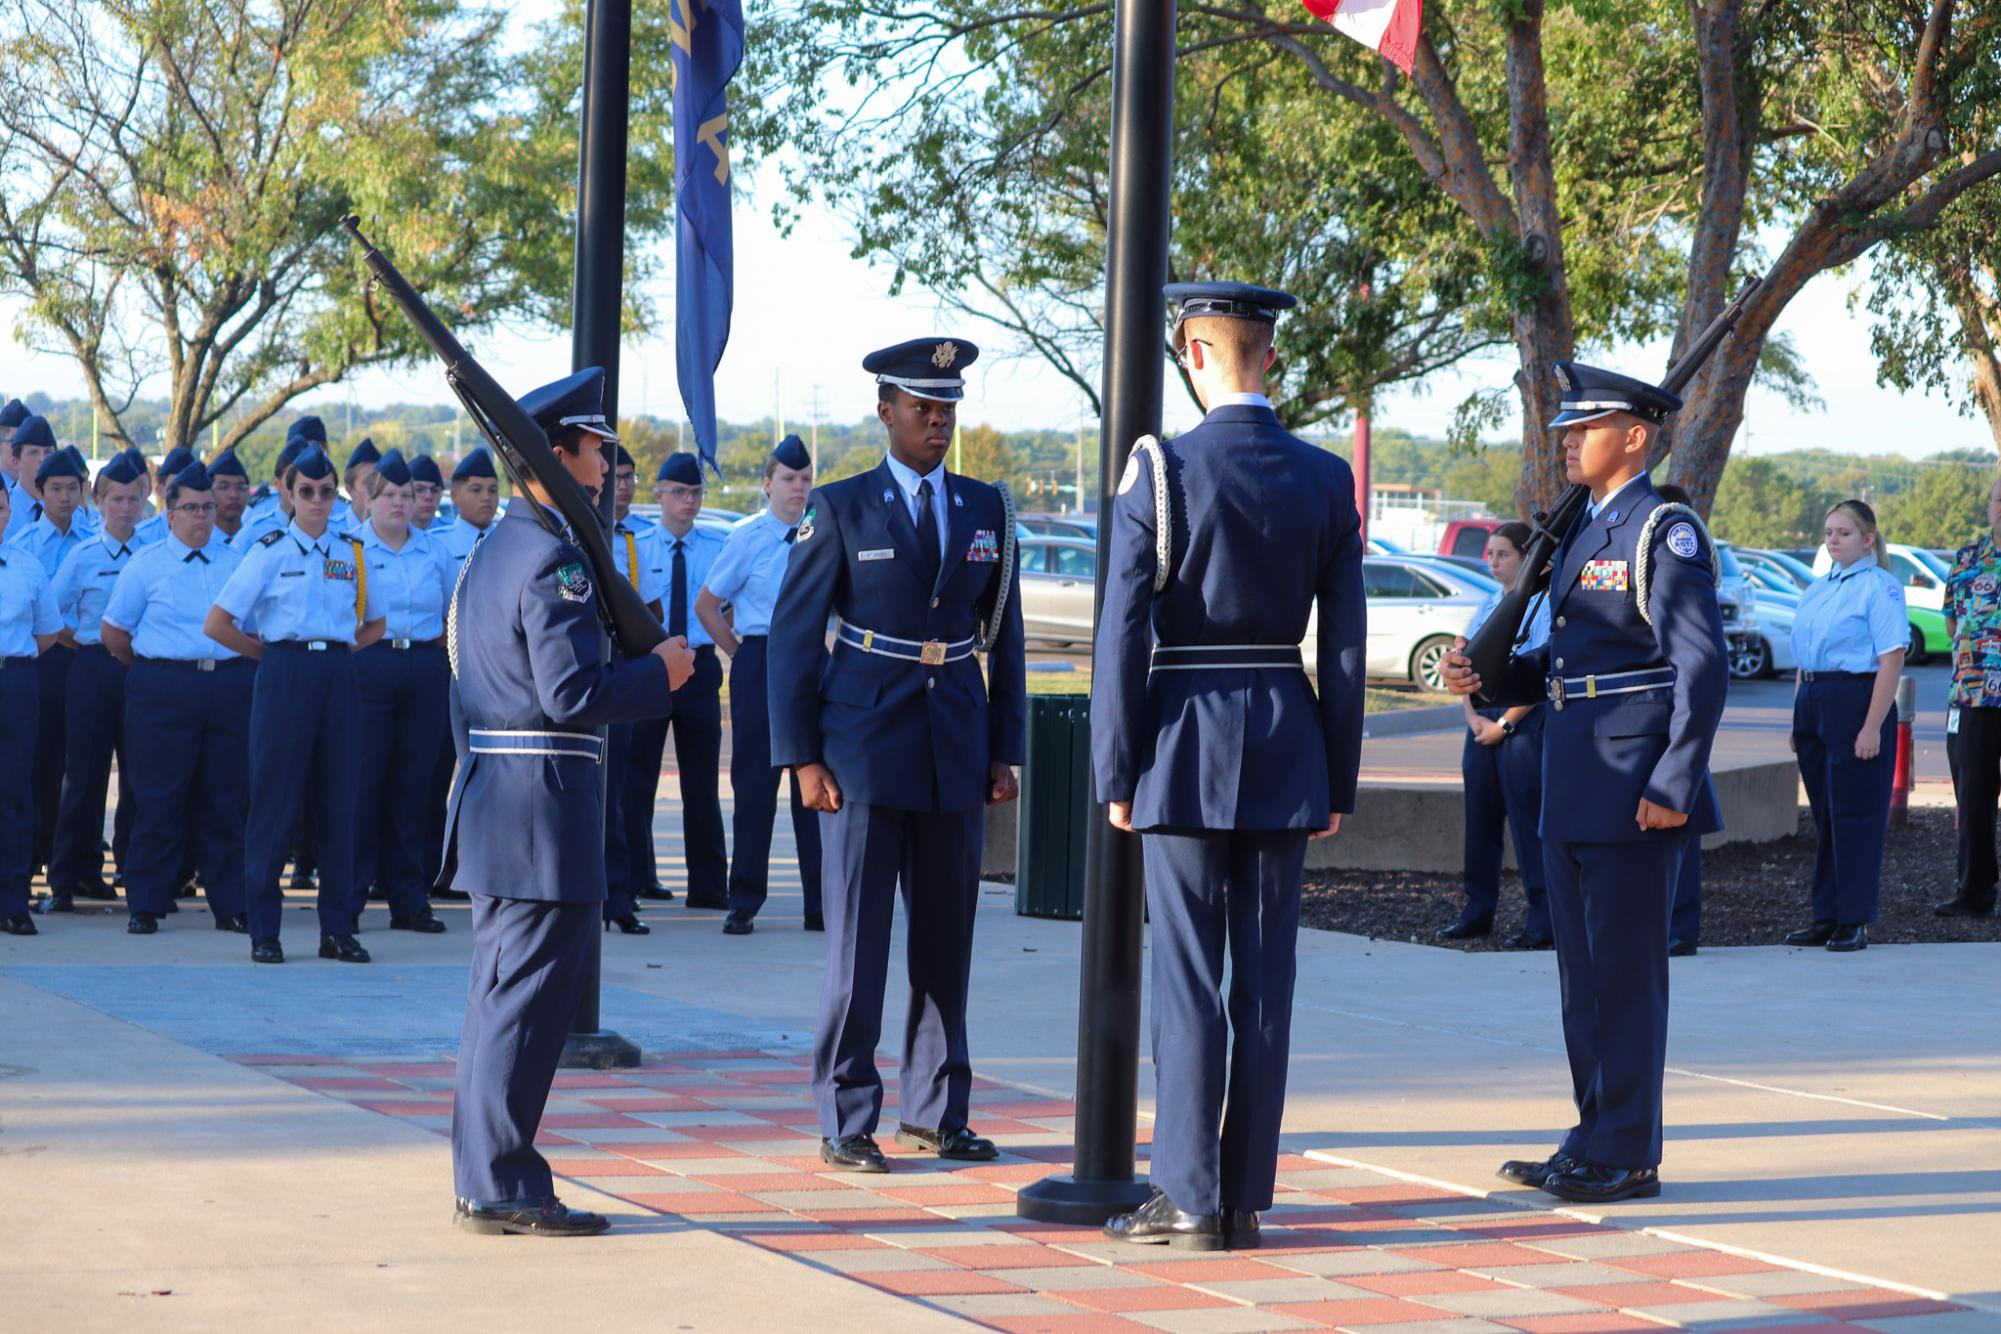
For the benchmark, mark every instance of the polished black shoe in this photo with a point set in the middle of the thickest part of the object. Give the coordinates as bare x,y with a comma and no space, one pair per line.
233,921
960,1145
444,895
423,923
173,905
19,924
815,922
93,889
141,924
657,893
1586,1184
1819,933
737,924
1680,949
1528,940
715,901
345,948
554,1219
1524,1172
1466,928
58,903
1848,939
267,951
1159,1221
628,925
1240,1230
1959,907
856,1153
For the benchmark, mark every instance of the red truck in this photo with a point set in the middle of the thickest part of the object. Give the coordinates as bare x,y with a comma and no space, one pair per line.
1467,537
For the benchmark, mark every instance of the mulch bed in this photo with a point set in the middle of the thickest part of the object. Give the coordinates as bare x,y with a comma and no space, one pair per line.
1753,893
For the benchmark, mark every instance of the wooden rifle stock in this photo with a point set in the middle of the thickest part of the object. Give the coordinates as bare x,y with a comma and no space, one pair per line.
524,449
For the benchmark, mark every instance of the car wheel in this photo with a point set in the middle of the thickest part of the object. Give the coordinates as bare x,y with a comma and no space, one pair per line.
1427,664
1917,653
1750,658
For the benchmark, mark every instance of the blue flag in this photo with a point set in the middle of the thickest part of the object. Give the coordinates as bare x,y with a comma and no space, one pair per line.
708,47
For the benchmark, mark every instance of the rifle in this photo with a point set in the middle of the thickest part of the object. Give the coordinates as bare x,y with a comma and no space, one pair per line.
1493,643
523,449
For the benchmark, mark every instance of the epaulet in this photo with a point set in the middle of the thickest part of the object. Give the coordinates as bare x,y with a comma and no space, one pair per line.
270,537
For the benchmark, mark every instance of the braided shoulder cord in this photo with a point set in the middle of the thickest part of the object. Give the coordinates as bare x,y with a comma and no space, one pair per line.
988,633
1163,509
452,611
1643,554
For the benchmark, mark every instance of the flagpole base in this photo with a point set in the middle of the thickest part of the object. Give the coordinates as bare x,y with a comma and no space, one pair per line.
1065,1199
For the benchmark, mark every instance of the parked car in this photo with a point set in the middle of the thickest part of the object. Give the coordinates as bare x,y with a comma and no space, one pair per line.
1922,574
1467,537
1800,572
1059,579
1382,546
1059,525
1928,634
1773,586
1765,647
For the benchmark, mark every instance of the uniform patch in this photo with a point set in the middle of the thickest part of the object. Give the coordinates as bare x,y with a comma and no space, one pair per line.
805,526
1603,576
985,547
1681,541
572,583
1131,474
880,553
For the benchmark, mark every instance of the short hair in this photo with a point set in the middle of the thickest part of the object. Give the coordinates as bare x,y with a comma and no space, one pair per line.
1678,495
1865,519
1515,533
17,445
1236,343
104,479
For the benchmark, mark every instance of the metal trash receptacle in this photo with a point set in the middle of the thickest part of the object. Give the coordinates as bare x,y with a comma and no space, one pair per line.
1055,807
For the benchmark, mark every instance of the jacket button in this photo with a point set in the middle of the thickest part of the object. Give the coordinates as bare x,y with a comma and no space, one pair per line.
1561,622
934,604
931,683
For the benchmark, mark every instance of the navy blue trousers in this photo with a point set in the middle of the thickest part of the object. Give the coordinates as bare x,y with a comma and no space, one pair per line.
53,669
935,857
405,711
21,691
755,784
1850,798
697,725
94,731
188,751
1212,894
1609,904
619,901
303,756
530,959
1685,920
1503,796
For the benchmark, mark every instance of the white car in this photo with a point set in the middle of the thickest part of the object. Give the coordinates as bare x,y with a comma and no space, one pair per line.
1766,649
1921,572
1059,578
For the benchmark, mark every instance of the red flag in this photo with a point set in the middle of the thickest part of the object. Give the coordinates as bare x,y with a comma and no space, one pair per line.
1387,27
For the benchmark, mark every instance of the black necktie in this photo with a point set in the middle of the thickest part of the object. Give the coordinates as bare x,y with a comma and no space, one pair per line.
790,534
927,529
677,603
36,511
192,556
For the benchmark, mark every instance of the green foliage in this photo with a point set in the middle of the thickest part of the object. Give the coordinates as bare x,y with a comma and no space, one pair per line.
1945,507
1759,504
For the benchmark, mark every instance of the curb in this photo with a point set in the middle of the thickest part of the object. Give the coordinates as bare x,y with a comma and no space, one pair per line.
1408,722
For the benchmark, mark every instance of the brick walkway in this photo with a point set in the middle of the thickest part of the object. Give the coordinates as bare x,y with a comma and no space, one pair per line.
726,1140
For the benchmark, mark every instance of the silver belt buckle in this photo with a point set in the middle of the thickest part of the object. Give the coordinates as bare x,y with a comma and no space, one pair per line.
1556,691
401,643
933,653
316,646
204,664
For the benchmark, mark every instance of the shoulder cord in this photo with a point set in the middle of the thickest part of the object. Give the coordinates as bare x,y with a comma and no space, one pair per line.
452,610
631,556
1163,509
1643,553
360,584
986,635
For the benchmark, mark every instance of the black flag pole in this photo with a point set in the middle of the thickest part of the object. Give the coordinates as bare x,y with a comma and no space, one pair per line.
1102,1181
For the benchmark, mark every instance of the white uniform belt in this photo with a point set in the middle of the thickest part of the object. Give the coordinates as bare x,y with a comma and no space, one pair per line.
1562,688
493,741
1220,657
930,652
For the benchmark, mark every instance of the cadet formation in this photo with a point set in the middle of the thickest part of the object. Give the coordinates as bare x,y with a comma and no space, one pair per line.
318,673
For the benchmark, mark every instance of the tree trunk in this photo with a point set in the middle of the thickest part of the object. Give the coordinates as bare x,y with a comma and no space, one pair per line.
1977,320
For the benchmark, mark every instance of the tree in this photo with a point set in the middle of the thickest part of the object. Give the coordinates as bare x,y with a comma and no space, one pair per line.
175,172
1937,299
1946,507
1757,505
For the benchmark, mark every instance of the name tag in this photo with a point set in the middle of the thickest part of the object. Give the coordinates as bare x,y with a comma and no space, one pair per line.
1603,576
884,553
291,574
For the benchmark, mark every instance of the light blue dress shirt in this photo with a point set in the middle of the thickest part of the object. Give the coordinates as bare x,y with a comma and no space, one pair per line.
1535,619
163,596
1597,507
274,521
641,529
27,607
83,584
748,571
263,503
908,479
699,550
299,587
459,537
1848,618
22,510
150,530
49,544
414,584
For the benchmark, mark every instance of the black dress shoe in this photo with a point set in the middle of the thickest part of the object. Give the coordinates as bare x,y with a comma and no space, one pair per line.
1819,933
19,924
1528,940
1533,1173
1159,1221
1466,928
173,905
1586,1184
737,924
267,951
345,948
553,1219
233,921
59,903
93,889
628,925
1680,949
141,924
716,901
444,895
1240,1230
423,923
1961,907
658,893
960,1145
815,922
856,1153
1848,939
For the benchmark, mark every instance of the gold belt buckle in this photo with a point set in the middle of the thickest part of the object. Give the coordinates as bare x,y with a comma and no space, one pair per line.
933,653
868,641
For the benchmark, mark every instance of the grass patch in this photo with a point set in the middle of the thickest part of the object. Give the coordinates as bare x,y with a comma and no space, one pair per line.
1379,699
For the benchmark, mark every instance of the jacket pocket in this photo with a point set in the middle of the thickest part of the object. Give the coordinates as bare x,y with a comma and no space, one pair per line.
853,688
1640,717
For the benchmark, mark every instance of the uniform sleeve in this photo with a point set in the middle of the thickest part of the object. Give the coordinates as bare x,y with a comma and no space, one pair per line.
1120,741
1342,648
654,551
732,565
47,620
69,584
127,604
1007,678
797,643
563,637
1889,623
245,584
371,597
1688,626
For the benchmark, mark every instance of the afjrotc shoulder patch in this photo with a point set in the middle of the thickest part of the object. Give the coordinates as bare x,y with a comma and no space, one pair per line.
572,583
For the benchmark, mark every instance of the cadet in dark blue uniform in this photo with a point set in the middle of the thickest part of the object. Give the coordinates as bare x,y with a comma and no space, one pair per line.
1213,743
1849,639
901,746
300,588
624,847
528,697
748,575
405,688
1635,671
29,625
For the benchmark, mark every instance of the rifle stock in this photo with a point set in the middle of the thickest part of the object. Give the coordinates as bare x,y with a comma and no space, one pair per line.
524,450
1491,647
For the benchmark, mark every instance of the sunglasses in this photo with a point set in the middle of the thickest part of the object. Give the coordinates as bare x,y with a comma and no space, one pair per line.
315,492
207,507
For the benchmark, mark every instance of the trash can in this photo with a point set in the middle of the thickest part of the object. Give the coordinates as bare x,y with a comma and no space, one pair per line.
1055,808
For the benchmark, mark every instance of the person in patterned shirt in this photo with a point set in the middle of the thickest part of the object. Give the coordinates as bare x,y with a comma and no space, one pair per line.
1973,619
